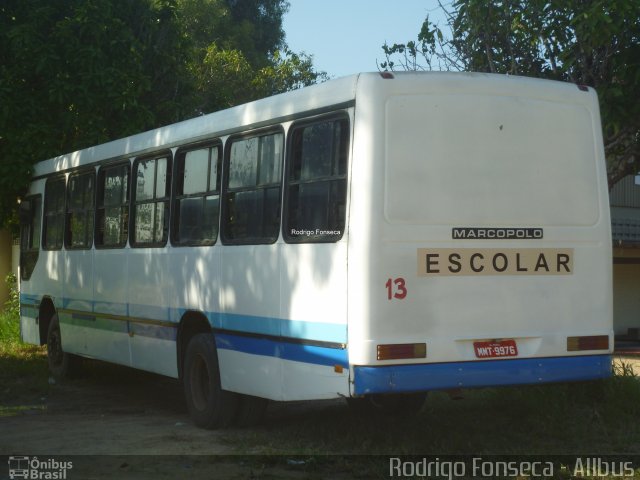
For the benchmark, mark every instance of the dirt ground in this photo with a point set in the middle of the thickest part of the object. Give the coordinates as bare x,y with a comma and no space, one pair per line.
122,423
130,424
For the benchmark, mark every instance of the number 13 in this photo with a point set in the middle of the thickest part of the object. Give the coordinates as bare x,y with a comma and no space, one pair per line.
396,288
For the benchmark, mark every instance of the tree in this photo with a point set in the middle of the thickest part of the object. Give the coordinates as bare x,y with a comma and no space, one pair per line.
595,43
76,73
238,52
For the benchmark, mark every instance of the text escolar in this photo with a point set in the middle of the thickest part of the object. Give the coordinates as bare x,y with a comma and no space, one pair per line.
508,261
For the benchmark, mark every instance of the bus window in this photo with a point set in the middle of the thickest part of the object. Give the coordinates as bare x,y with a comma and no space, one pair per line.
53,233
252,196
151,202
31,213
197,196
112,221
79,221
317,182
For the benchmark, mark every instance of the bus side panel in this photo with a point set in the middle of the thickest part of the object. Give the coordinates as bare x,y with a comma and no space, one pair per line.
76,305
46,280
249,304
289,346
109,339
194,284
314,297
153,346
29,329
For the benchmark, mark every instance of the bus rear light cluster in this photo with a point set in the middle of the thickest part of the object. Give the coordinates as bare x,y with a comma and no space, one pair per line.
397,351
594,342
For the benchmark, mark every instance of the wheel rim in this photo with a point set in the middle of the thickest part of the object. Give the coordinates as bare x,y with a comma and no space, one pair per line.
200,386
54,348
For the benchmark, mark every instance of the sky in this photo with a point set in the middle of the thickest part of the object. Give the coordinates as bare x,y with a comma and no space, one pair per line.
346,36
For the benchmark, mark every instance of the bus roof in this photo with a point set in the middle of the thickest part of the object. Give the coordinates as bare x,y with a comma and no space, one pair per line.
247,116
309,100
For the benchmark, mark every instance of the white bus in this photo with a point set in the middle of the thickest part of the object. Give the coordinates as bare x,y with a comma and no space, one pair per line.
373,237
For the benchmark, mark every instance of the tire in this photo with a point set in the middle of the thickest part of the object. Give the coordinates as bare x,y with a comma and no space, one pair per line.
61,364
251,410
401,404
209,406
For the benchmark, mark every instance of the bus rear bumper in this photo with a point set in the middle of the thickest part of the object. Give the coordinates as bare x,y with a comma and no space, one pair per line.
486,373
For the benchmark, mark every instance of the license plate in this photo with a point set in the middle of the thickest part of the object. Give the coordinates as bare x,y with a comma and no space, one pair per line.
502,348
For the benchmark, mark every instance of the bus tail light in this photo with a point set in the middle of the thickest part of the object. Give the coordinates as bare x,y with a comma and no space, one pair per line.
594,342
398,351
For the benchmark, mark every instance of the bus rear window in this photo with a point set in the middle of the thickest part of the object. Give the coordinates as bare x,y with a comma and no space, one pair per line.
475,159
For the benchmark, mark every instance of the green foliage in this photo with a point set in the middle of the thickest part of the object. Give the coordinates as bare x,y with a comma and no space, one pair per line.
10,316
238,52
78,73
594,43
226,78
12,306
9,329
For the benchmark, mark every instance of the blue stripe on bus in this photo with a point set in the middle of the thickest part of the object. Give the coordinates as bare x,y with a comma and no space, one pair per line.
281,349
159,332
272,326
488,373
280,327
31,299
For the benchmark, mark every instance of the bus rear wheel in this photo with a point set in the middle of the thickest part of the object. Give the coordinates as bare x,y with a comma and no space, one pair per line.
61,364
209,405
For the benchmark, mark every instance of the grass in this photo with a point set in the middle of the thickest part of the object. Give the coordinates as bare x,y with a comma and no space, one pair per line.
567,419
577,420
23,368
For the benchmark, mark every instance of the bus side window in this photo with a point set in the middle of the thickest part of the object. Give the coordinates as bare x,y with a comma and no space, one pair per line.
53,228
152,189
80,211
252,197
30,235
112,212
197,199
317,182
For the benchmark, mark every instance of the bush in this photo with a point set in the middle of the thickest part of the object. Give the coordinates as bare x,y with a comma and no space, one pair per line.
13,304
10,317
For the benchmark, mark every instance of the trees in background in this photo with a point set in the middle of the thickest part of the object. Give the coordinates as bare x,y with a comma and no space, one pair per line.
595,43
76,73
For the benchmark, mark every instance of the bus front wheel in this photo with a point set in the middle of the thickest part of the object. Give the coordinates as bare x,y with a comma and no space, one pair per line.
209,405
61,364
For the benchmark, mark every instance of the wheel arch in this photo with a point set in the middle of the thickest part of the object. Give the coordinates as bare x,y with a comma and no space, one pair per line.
192,323
45,313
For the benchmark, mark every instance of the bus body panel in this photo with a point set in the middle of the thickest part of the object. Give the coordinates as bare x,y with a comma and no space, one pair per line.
476,152
303,329
488,373
110,339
